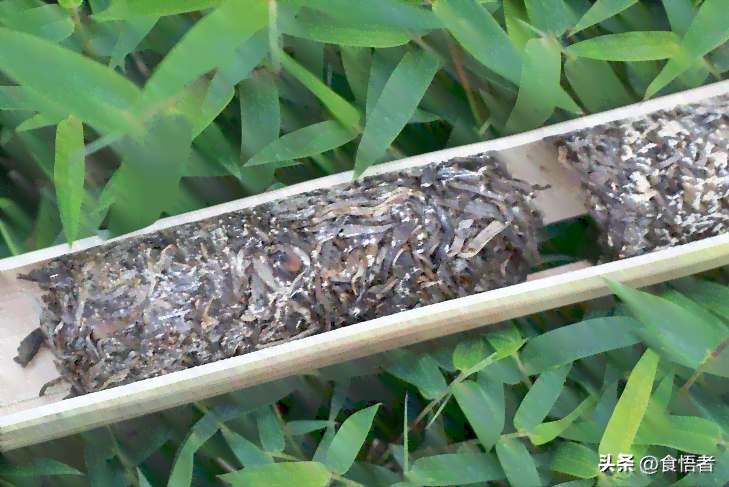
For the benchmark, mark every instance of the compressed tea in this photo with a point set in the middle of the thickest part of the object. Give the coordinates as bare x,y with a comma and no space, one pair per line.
655,181
226,286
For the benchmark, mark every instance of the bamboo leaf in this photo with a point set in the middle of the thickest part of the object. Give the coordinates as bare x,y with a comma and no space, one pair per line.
456,469
131,9
422,372
386,13
541,398
304,427
210,43
271,432
628,46
355,34
709,30
631,407
68,176
484,407
576,460
349,440
306,142
69,82
684,433
468,354
548,15
596,84
601,10
546,432
680,14
38,467
395,107
247,453
50,22
132,33
289,474
517,463
539,88
479,33
572,342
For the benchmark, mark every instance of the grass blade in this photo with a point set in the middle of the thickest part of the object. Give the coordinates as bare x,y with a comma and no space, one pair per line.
289,474
576,460
131,9
132,33
628,46
68,174
601,10
517,463
395,107
541,398
631,407
483,405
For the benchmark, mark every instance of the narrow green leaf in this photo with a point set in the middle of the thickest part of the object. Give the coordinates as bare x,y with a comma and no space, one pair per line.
50,22
271,432
709,30
355,34
631,407
396,106
546,432
143,481
548,15
572,342
680,15
245,451
718,476
153,442
576,460
339,107
38,467
385,13
17,98
210,43
517,463
456,469
69,82
130,9
304,427
39,120
468,354
628,46
665,327
484,407
539,88
306,142
422,372
541,398
349,440
684,433
479,33
357,63
601,10
68,175
596,84
289,474
712,296
132,33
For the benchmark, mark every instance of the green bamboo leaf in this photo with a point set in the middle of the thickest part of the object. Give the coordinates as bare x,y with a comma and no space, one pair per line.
467,354
517,463
548,15
484,407
156,440
576,460
596,84
372,475
387,13
95,94
271,431
132,33
339,107
479,33
684,433
601,10
665,327
355,34
631,407
680,14
712,296
70,4
50,22
357,63
38,467
247,453
289,474
130,9
210,43
628,46
304,427
572,342
306,142
68,176
718,476
423,373
456,469
395,107
39,120
539,88
709,30
541,398
16,215
17,98
349,440
546,432
517,24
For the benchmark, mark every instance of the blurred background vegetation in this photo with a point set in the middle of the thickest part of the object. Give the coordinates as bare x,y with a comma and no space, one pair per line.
114,113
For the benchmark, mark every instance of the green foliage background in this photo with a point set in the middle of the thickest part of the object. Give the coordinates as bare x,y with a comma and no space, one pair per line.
534,403
116,112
